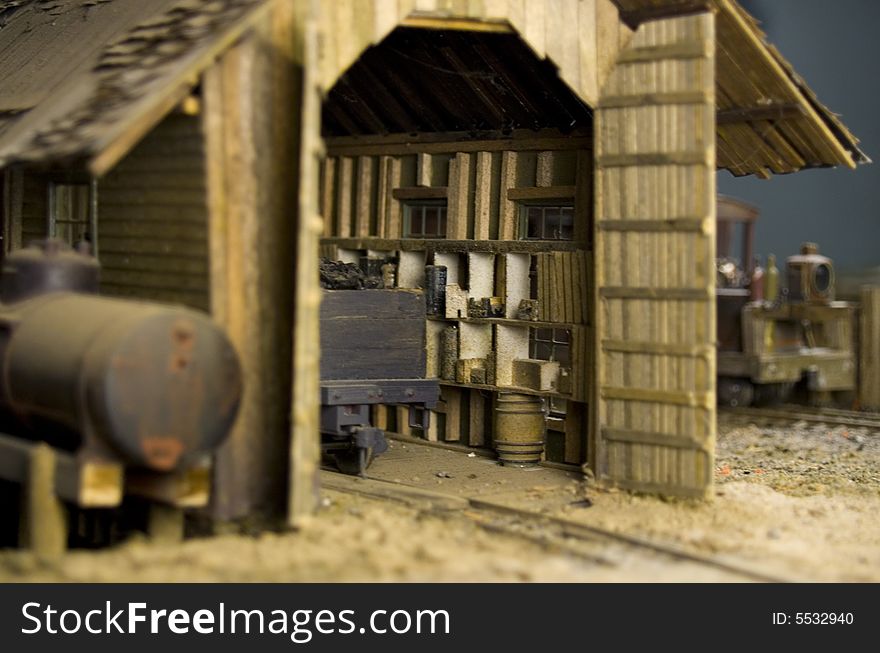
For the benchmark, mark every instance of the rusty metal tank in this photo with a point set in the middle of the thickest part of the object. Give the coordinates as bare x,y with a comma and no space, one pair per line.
156,386
810,276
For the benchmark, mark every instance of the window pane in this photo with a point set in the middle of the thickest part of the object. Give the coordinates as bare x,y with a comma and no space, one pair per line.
543,351
441,226
430,221
566,231
562,354
534,223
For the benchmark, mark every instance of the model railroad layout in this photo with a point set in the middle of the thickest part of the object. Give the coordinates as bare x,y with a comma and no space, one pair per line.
590,543
795,413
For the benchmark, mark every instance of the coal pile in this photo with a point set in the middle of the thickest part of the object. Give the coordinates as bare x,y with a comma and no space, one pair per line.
336,275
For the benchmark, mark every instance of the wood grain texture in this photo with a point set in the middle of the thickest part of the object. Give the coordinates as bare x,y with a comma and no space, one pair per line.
251,139
655,162
869,349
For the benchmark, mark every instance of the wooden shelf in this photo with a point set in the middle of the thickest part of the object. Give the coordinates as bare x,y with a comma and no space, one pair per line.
507,322
443,245
506,388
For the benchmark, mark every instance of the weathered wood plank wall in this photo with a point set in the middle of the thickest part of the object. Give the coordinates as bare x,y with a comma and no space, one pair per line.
582,37
655,317
869,348
252,145
153,218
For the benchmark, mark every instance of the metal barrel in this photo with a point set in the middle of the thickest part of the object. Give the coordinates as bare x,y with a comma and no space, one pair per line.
435,289
519,428
448,352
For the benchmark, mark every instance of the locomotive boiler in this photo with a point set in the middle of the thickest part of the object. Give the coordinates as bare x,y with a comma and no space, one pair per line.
151,386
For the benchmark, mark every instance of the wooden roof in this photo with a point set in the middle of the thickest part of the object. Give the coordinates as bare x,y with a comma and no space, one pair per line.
769,121
430,80
107,70
86,79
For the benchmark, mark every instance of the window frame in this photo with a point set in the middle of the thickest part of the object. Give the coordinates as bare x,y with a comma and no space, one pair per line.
524,208
409,206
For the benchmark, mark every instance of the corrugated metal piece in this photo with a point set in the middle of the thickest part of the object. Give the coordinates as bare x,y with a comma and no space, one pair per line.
655,322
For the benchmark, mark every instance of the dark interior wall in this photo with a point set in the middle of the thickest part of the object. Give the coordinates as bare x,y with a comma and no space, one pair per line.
153,218
34,202
834,47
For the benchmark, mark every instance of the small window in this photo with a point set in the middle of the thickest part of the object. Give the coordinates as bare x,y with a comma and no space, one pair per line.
547,222
424,219
70,213
552,345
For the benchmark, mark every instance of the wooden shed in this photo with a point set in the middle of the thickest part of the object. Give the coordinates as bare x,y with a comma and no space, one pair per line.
570,147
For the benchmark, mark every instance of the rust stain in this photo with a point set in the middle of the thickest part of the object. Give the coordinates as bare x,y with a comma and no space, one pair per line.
161,451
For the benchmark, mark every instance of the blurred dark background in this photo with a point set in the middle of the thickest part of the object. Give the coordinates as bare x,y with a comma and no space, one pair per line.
834,46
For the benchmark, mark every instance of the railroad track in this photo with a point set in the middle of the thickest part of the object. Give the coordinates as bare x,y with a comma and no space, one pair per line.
795,413
575,538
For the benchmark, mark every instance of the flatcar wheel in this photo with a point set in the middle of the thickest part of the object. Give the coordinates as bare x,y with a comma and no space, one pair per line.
735,392
353,461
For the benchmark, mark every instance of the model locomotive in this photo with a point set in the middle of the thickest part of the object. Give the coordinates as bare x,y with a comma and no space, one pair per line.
773,340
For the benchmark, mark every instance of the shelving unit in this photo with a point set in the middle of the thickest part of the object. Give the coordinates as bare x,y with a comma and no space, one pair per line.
485,256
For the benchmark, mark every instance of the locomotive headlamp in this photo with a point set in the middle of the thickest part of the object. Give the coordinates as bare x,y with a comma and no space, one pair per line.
810,276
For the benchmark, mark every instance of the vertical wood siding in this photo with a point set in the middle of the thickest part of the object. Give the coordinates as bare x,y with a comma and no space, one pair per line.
655,319
153,218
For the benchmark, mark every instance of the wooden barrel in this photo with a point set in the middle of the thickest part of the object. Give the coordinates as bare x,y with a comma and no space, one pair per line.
519,428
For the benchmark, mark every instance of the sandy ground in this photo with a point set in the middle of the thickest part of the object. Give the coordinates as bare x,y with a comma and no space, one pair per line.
799,502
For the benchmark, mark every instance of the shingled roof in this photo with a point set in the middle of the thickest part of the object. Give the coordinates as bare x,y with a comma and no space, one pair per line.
83,80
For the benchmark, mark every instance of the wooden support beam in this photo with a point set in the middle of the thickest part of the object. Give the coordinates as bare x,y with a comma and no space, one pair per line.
86,483
424,167
753,114
508,218
256,234
544,169
528,193
647,99
453,398
393,212
328,196
869,348
43,525
699,225
477,422
403,426
420,193
648,437
345,175
363,202
686,294
483,193
665,52
458,211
